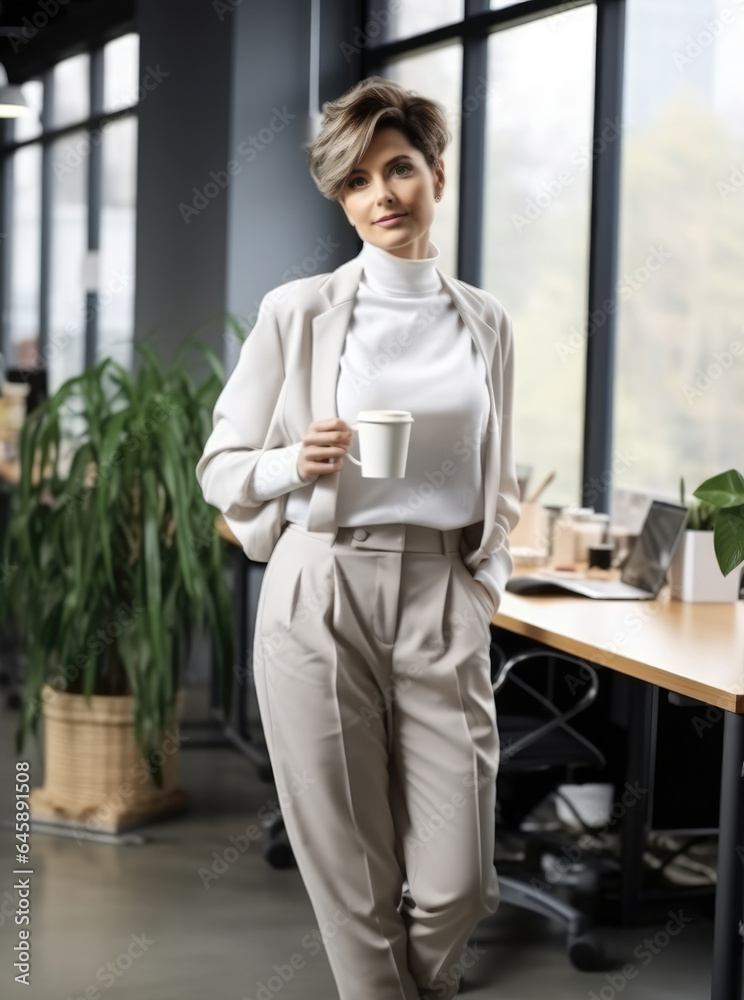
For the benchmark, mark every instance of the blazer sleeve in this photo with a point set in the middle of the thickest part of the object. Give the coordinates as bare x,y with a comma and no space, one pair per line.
246,419
276,473
494,573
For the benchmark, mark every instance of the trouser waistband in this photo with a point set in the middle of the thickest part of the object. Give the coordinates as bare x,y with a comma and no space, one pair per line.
390,537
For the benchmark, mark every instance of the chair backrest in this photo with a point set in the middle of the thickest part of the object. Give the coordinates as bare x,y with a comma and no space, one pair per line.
546,693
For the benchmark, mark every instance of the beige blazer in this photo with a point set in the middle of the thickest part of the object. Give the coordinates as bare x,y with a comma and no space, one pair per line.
286,377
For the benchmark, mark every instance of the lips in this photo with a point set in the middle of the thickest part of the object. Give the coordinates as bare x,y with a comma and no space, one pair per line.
395,215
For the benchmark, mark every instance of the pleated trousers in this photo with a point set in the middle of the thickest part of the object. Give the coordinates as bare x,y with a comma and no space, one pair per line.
372,674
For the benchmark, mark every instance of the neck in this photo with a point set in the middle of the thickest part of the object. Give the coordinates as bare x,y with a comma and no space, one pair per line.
388,274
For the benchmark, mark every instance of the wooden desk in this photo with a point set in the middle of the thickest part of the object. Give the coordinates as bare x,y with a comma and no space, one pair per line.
693,649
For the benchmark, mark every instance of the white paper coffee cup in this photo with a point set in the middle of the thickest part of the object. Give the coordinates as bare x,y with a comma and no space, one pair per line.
384,436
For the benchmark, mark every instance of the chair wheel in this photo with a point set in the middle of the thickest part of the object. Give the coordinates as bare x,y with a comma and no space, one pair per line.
585,953
277,849
279,854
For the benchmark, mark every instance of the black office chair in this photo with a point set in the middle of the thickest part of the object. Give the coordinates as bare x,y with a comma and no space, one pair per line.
545,747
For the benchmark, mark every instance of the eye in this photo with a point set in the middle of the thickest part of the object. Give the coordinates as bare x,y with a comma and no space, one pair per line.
398,166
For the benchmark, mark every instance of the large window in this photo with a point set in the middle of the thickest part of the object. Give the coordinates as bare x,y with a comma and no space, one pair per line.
70,208
536,233
25,259
116,297
411,17
680,344
65,352
612,222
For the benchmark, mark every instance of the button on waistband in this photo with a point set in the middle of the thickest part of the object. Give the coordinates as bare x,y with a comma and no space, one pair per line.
360,534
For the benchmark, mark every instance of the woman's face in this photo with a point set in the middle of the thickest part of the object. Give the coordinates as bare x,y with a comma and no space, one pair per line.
393,178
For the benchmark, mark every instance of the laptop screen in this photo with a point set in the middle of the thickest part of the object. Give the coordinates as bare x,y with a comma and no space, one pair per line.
654,548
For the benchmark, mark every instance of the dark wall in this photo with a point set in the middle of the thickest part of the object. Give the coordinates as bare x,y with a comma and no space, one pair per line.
183,135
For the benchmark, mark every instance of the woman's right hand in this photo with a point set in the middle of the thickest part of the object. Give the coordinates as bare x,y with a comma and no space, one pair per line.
325,439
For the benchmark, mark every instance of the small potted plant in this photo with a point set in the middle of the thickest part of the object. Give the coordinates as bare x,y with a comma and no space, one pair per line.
707,565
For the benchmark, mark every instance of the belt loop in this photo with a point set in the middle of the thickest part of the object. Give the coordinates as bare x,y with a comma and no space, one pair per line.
451,539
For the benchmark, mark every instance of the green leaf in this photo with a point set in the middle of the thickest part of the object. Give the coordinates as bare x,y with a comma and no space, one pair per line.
728,538
724,490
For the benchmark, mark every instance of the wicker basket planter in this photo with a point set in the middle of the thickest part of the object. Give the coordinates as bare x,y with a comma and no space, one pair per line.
94,774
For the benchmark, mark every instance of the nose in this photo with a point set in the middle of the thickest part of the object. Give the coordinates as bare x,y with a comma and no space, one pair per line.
383,193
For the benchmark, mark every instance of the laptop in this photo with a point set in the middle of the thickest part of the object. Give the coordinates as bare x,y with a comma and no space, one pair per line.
644,571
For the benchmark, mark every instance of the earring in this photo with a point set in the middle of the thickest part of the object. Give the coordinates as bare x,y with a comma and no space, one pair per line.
438,198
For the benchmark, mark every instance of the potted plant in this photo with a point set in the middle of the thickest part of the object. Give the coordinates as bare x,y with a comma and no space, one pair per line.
704,566
108,571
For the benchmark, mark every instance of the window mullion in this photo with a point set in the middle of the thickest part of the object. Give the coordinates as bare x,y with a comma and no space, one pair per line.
95,178
603,254
47,117
7,164
472,152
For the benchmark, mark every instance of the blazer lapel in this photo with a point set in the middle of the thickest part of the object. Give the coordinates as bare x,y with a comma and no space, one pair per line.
329,330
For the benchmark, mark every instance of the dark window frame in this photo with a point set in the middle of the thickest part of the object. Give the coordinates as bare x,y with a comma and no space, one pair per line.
600,326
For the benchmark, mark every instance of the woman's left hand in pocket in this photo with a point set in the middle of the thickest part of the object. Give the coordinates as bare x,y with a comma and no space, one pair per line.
486,591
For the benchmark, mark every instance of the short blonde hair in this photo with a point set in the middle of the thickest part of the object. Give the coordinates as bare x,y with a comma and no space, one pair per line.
349,123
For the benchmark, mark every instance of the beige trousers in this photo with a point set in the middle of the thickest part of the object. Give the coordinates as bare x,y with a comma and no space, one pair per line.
372,673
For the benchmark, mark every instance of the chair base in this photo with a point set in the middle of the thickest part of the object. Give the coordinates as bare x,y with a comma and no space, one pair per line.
584,949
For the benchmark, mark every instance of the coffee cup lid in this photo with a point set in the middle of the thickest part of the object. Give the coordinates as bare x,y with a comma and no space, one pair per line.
385,416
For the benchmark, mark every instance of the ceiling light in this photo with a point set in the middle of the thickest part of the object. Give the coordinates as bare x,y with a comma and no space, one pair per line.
12,102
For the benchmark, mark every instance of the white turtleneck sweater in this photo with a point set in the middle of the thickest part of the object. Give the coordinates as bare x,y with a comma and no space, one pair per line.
407,348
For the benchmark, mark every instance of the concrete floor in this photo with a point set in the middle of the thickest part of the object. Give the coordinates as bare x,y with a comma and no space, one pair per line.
90,902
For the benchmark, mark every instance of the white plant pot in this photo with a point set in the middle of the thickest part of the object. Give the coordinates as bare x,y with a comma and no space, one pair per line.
694,573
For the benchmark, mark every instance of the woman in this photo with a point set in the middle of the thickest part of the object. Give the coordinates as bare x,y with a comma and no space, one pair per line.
371,650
